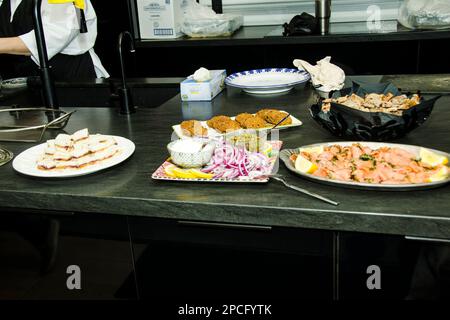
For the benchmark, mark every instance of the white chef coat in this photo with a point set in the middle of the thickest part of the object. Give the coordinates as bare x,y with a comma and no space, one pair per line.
62,32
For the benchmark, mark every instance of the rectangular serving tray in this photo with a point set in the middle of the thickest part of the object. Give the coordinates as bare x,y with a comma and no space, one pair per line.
160,174
213,133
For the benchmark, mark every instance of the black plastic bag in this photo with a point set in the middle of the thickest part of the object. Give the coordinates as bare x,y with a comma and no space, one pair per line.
300,25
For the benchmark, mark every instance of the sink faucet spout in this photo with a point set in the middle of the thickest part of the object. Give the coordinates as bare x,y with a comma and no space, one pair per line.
126,101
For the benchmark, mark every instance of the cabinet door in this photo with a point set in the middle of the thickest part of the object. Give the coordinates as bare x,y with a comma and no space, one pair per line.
376,266
186,259
92,260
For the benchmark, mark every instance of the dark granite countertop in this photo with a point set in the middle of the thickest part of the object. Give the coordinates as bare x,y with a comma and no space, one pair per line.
128,189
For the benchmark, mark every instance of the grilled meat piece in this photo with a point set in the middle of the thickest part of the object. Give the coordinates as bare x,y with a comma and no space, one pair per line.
375,102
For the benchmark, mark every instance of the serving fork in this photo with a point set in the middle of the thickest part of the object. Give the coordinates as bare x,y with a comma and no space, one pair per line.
282,179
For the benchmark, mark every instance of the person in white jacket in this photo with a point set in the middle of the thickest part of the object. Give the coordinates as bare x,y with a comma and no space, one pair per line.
71,53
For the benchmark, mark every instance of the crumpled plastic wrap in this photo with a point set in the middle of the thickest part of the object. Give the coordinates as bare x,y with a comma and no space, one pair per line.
200,21
324,74
354,124
425,14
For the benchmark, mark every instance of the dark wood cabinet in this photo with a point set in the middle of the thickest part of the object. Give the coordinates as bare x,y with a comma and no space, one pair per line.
96,249
187,259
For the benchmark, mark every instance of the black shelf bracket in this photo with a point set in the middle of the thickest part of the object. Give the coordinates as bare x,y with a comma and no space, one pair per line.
48,86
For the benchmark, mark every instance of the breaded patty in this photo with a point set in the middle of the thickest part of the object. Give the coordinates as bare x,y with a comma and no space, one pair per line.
193,128
262,113
273,116
228,125
241,118
255,122
223,124
276,116
217,119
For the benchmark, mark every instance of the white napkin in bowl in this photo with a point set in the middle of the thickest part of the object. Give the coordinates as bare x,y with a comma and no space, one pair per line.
325,75
202,74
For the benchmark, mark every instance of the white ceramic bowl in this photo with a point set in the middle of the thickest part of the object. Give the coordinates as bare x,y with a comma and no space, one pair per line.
325,94
192,159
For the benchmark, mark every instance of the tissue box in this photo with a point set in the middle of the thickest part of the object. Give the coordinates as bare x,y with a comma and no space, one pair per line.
160,19
192,90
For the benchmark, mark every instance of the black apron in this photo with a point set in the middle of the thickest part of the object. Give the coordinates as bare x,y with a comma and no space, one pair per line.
63,67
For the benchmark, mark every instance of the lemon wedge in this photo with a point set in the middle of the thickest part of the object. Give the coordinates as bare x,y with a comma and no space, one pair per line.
304,165
201,175
317,150
182,173
442,174
169,171
175,172
432,159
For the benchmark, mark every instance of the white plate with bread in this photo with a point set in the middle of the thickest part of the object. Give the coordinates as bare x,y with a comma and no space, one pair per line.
73,155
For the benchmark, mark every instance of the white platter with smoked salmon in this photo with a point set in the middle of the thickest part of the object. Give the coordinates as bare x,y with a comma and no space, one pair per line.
370,165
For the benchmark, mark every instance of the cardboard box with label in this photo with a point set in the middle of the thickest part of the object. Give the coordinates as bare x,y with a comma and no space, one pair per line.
160,19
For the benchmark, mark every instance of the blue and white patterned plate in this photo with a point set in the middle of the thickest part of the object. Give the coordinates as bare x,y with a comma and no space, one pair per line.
268,81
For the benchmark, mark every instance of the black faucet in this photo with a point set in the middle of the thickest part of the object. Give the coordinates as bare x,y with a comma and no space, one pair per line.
126,100
46,79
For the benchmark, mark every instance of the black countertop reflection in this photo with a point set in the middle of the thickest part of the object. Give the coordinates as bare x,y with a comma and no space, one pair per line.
129,190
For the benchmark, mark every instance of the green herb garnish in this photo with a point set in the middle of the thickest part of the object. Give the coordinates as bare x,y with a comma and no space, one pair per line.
366,157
